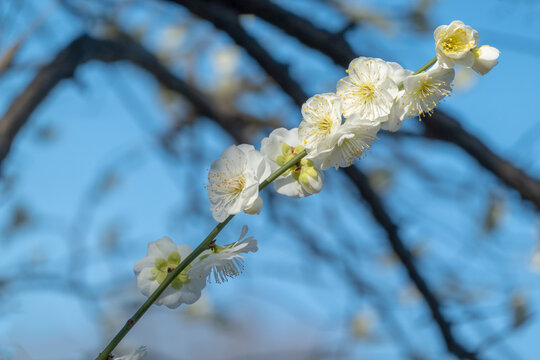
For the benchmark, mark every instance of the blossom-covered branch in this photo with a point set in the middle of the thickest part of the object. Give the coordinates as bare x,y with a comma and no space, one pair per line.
337,128
439,125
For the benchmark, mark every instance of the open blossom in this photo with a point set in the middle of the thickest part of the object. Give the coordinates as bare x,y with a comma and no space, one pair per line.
138,354
423,92
485,58
350,142
395,119
225,262
369,90
301,180
328,141
234,181
162,257
454,44
321,119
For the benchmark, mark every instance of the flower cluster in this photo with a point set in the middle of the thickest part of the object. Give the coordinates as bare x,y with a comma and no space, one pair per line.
457,43
339,127
336,129
163,256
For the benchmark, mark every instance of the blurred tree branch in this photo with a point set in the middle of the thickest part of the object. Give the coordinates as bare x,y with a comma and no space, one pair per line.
85,49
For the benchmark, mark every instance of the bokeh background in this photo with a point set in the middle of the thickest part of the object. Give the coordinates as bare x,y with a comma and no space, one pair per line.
114,133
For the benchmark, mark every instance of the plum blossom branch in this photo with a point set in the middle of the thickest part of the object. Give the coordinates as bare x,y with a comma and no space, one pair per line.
172,275
439,125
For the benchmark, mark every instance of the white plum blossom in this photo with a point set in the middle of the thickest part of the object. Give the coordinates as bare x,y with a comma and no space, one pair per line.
162,257
369,90
422,93
398,73
226,261
301,180
454,44
397,113
234,181
328,141
350,142
321,119
138,354
485,58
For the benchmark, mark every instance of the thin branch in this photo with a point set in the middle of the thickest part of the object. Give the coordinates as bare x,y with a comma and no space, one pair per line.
86,48
439,126
226,20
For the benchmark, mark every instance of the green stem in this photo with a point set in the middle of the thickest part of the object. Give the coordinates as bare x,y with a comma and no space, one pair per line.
192,256
426,66
422,69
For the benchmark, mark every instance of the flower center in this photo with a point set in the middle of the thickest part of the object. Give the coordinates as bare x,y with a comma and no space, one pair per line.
325,126
366,92
456,43
165,266
302,170
236,184
428,95
426,89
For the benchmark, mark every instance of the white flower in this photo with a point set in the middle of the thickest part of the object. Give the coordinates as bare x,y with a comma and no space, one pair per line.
225,261
321,119
369,89
162,257
397,113
485,58
301,180
234,181
139,354
422,93
351,140
327,140
454,43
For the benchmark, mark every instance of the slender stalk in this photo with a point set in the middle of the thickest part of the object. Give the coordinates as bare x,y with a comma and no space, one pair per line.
282,169
104,355
426,66
422,69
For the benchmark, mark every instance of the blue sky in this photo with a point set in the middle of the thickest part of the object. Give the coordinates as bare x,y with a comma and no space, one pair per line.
97,132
